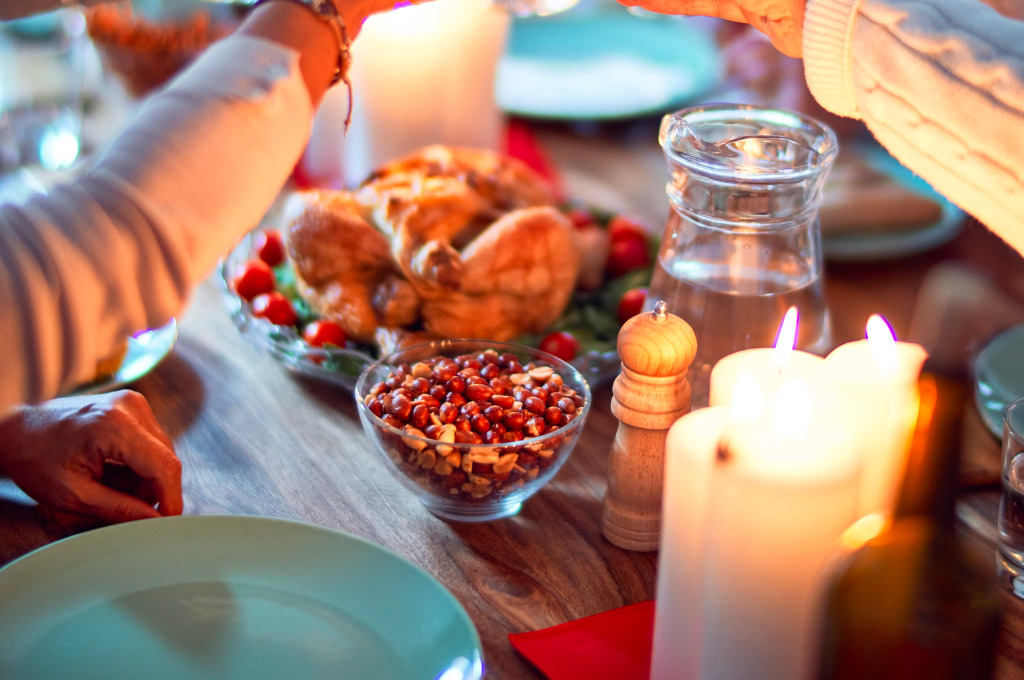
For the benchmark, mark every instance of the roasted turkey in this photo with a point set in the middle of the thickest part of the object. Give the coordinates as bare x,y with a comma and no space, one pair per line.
443,243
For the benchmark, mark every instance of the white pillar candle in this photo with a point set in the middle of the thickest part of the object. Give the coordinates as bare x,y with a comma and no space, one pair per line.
752,511
780,500
690,458
876,380
768,366
424,74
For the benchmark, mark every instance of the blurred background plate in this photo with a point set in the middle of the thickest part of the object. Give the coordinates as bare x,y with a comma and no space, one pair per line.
873,244
855,248
605,63
999,376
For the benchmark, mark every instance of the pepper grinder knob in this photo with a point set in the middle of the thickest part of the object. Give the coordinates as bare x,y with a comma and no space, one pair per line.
650,393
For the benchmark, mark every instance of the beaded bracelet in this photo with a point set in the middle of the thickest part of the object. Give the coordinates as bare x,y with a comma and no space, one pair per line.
328,13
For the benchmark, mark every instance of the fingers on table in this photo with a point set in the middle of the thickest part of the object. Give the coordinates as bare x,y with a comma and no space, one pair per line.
148,451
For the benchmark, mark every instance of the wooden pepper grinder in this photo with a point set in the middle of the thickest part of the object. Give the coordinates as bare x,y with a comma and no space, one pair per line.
650,394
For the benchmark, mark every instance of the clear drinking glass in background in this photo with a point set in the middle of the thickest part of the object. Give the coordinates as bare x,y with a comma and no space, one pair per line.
42,64
742,243
1011,510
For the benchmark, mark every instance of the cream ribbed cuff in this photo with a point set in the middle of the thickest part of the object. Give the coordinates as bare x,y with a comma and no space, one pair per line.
828,54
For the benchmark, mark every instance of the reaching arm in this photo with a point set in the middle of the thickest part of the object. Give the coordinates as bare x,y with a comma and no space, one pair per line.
120,248
940,83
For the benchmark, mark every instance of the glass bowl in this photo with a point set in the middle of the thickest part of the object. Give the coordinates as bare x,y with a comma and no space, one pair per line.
473,427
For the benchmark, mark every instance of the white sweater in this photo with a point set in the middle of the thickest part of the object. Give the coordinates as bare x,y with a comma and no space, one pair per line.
940,83
120,249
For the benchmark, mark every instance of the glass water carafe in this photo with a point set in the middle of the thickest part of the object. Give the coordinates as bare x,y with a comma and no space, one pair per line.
742,243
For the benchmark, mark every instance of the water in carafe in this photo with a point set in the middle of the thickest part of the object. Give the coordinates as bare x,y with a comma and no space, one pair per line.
742,242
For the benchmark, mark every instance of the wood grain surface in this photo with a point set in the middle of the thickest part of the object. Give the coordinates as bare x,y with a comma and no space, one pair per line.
256,441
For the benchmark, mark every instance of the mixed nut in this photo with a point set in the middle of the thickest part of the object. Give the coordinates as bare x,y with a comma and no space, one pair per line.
468,423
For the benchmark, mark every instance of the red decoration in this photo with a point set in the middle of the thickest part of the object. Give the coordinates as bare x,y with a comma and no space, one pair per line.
613,645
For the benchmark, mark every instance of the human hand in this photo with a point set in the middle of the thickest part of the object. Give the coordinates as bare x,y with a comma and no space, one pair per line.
62,453
781,20
769,78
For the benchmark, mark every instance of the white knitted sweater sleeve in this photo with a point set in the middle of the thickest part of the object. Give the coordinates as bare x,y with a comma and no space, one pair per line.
940,83
121,248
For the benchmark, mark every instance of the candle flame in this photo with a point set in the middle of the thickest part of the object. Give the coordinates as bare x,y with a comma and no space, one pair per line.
882,343
747,400
785,341
793,408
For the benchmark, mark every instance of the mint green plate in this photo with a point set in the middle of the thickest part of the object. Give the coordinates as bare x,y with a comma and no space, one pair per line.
999,376
199,597
605,63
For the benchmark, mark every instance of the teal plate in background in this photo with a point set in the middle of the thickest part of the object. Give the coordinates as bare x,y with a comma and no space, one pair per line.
605,64
884,245
999,376
217,597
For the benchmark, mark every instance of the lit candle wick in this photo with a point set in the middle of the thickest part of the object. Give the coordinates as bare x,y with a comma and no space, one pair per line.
882,343
785,341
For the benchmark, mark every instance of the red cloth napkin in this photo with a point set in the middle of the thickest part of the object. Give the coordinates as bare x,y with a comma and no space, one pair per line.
613,645
521,143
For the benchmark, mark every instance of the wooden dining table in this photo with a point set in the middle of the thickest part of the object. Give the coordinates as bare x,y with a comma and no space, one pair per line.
255,439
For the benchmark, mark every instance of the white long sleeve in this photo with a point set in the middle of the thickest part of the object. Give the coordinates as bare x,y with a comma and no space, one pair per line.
940,83
120,249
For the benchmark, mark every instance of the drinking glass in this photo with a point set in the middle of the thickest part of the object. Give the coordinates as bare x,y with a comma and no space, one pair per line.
41,77
742,243
1011,510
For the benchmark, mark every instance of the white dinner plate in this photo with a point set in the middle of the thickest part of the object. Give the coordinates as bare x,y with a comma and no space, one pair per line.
220,598
999,377
604,63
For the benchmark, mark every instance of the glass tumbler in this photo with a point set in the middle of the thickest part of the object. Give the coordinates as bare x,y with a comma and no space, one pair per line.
42,65
1011,508
742,243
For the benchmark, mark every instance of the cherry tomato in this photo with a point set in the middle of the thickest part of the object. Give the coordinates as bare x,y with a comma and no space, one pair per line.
321,332
626,254
275,308
631,304
580,217
561,344
624,227
255,278
270,247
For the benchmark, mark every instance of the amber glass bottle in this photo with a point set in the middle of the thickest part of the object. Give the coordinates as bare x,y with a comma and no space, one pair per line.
917,600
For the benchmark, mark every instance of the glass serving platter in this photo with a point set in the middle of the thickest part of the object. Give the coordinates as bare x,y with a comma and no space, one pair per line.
337,365
591,317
